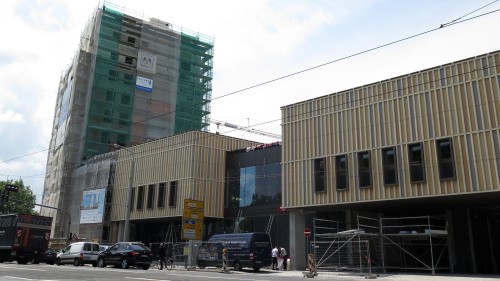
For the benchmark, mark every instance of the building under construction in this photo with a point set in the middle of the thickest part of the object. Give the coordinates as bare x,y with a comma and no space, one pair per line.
132,80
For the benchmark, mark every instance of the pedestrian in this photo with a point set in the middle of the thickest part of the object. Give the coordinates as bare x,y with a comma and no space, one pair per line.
274,254
285,257
280,259
161,255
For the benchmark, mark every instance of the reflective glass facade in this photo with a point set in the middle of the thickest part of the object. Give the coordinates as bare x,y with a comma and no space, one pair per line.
254,186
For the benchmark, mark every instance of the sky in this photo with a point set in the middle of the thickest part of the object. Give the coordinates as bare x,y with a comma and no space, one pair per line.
255,41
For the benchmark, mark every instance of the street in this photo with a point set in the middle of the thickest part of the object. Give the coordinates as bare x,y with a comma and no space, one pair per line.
16,272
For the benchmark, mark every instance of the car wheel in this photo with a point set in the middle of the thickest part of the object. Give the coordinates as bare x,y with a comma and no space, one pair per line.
76,262
145,267
101,263
237,266
58,262
124,264
94,264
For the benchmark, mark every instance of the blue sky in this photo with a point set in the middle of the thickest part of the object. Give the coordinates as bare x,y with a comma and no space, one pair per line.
255,41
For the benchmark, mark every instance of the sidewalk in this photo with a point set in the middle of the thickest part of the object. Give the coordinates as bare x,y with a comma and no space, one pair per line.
391,276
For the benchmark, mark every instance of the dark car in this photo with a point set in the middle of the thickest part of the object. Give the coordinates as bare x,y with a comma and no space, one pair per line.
126,254
49,256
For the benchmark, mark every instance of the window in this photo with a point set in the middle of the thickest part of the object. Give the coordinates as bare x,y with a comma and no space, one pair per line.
390,166
319,174
131,40
129,60
161,195
446,161
341,172
172,194
364,169
149,202
416,159
140,197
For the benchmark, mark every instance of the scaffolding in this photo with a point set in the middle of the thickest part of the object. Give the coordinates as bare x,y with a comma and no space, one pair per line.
381,244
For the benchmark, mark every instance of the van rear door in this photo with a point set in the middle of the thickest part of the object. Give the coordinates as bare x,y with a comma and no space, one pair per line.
261,248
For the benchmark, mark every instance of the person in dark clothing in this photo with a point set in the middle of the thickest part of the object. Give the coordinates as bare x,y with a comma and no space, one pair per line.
161,255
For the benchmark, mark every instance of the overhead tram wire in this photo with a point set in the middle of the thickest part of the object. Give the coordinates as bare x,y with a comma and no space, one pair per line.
454,22
342,104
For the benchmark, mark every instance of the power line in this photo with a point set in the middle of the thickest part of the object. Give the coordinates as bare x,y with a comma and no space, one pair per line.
457,21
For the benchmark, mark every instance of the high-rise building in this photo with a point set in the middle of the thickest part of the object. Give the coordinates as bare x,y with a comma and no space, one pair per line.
132,80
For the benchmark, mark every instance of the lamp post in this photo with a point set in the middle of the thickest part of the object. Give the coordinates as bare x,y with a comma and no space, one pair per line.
128,207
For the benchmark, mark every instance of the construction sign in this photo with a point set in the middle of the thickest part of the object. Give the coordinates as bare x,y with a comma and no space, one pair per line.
192,219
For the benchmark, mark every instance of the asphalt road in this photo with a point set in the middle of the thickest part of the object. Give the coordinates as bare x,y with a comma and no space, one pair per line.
44,272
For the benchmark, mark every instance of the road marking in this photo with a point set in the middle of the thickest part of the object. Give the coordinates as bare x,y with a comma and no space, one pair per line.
23,268
137,278
14,277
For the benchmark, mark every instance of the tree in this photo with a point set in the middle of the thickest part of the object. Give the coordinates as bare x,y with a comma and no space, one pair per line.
20,202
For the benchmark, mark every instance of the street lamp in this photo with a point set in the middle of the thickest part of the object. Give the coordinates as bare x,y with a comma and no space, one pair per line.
128,207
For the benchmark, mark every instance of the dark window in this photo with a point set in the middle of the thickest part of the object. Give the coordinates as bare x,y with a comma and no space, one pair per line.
140,197
127,76
172,194
151,191
128,60
132,199
131,40
126,99
319,174
445,159
364,169
161,195
341,171
416,159
390,166
109,96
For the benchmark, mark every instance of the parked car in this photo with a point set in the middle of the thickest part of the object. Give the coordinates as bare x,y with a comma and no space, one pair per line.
79,253
49,256
104,247
126,254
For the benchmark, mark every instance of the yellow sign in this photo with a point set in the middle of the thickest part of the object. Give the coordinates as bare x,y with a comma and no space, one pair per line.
192,219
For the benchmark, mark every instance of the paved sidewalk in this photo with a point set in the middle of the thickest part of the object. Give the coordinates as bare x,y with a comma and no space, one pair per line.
394,276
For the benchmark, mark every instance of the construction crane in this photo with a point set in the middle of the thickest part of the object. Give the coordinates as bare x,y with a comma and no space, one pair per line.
246,129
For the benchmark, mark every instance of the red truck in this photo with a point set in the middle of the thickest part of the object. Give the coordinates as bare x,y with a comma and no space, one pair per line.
24,238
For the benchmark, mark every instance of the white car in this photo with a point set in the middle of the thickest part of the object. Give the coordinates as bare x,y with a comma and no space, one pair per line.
79,253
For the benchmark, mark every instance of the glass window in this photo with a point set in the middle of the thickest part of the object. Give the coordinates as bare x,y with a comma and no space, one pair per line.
172,194
319,174
364,169
341,172
416,159
161,195
445,159
253,186
140,197
390,166
151,190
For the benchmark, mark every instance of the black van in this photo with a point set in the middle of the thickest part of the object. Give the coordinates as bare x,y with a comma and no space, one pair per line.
244,250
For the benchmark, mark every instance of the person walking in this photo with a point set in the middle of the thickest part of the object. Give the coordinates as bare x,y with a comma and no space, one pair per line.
274,254
285,257
161,255
280,259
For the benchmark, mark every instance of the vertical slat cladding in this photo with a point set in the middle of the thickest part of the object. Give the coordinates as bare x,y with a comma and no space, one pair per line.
458,101
188,159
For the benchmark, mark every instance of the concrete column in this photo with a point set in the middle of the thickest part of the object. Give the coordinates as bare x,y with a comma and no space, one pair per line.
297,240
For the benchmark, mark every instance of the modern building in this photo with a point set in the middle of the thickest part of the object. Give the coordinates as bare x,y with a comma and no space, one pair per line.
409,160
132,80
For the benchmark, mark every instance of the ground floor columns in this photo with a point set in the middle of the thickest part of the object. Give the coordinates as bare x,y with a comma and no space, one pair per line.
297,251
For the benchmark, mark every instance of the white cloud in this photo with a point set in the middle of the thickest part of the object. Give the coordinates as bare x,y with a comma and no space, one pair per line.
10,116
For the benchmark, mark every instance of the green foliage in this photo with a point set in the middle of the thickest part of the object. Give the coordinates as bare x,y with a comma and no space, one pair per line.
21,202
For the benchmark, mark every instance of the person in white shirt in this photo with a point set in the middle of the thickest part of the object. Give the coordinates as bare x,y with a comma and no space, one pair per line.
284,255
274,254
